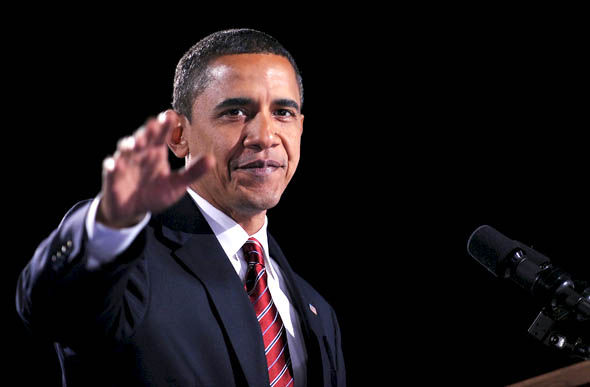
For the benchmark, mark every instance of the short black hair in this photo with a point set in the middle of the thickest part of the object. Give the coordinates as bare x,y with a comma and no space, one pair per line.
191,78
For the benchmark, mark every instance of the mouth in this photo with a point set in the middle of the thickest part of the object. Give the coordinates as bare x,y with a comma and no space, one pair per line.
260,168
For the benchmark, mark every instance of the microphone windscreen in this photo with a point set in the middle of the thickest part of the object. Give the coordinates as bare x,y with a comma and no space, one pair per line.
489,247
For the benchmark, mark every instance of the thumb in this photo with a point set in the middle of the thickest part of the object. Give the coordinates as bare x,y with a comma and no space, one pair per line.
193,171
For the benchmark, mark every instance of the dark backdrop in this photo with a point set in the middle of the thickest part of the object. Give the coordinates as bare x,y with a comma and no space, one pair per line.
420,125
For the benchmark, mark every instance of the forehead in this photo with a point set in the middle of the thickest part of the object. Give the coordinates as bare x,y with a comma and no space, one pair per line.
251,73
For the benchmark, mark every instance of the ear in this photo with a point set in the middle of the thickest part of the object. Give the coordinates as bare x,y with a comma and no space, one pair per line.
177,136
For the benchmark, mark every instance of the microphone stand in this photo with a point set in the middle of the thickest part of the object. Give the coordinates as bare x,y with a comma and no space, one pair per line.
564,328
564,320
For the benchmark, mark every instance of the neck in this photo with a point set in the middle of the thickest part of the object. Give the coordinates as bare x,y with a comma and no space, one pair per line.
250,219
252,224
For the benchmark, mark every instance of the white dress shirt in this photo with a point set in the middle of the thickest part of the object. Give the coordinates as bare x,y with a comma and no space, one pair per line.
105,244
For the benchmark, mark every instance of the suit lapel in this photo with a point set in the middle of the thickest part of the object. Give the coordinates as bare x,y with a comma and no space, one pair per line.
202,254
310,322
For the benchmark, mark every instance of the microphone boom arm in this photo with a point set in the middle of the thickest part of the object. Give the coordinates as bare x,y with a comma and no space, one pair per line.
551,333
560,323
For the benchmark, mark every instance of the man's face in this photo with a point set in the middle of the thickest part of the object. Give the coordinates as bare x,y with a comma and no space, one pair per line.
248,117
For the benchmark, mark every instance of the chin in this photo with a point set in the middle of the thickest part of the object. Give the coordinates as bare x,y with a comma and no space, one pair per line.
261,202
267,203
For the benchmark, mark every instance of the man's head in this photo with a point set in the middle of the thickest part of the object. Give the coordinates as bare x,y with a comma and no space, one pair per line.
192,76
246,113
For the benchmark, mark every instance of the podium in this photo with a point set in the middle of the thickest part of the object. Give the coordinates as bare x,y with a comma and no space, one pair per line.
575,375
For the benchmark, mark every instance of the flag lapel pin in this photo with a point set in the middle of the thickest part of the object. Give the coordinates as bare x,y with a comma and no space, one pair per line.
313,309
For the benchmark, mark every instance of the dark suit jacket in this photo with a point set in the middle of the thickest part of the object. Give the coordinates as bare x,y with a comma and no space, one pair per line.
169,311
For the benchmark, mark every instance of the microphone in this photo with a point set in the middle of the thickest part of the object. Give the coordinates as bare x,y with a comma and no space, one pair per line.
533,271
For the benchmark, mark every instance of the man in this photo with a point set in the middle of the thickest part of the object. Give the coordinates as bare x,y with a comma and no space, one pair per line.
169,277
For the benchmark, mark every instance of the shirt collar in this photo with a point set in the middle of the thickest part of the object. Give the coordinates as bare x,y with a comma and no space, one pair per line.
230,235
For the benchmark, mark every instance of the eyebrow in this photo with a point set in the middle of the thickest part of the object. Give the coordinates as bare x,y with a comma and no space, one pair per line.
234,102
242,101
287,103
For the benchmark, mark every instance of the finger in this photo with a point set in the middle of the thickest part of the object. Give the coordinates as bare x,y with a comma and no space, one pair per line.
126,144
151,129
157,129
108,165
140,138
166,122
125,147
115,164
192,172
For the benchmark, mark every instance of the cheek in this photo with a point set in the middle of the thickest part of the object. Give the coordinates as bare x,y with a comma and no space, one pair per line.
292,146
292,143
215,145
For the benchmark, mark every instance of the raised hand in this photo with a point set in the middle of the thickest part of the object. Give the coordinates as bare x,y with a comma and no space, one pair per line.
138,178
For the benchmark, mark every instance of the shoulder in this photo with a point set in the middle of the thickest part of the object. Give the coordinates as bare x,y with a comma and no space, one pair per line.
307,291
316,302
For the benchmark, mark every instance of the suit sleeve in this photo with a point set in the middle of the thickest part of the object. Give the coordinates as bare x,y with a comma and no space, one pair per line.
59,297
105,244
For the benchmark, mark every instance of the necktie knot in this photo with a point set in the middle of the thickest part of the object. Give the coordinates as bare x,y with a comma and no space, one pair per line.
253,252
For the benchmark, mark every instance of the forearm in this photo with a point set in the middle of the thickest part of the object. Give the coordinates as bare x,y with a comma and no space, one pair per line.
68,286
86,274
104,243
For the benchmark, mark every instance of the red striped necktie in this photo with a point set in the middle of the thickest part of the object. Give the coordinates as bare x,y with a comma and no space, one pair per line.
273,331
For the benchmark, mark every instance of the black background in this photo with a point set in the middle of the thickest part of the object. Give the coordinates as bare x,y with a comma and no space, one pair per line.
420,125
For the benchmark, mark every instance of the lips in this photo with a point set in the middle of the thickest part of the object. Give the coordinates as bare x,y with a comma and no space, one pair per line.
260,164
260,168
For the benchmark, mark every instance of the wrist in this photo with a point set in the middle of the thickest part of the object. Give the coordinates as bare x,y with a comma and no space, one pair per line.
104,217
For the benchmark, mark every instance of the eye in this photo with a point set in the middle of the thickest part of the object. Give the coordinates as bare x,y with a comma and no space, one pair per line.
284,113
236,112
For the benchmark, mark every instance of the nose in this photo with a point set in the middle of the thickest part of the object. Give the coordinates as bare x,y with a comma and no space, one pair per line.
261,133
